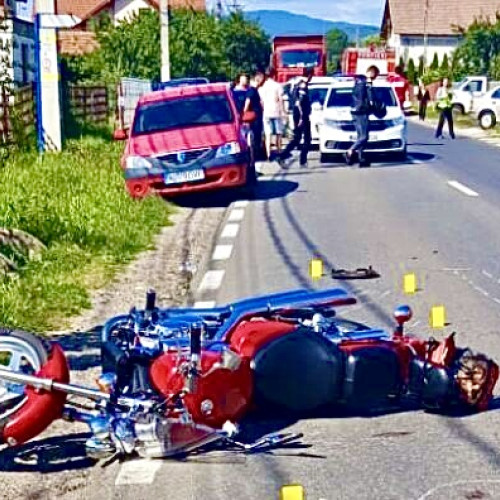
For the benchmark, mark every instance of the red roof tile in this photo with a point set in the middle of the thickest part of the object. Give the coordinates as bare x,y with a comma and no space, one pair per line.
407,16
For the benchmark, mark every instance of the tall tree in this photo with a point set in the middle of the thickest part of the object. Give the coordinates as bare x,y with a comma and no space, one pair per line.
435,62
410,73
421,67
478,52
336,41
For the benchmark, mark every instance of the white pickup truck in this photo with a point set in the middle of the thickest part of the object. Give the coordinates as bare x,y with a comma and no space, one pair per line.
467,93
488,108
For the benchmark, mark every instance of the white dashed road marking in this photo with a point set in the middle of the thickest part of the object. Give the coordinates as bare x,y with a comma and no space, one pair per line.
241,204
222,252
463,189
236,215
230,231
487,274
212,280
207,304
137,472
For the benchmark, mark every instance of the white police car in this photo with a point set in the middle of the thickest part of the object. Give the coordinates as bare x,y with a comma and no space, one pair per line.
337,132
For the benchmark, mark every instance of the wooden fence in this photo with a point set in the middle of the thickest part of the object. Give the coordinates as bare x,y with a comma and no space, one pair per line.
17,113
88,103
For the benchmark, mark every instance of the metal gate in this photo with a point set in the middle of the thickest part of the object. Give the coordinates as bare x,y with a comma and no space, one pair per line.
129,91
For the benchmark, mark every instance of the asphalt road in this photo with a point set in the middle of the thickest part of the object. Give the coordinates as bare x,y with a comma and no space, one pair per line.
398,218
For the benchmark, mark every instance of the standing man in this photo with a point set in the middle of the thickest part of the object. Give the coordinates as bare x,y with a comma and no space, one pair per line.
363,99
253,106
271,94
444,98
401,85
301,120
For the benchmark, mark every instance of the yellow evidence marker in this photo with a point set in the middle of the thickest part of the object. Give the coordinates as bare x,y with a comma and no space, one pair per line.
437,317
410,283
316,268
292,492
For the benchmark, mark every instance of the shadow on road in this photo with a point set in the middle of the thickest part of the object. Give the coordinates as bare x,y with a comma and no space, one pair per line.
267,189
76,346
54,454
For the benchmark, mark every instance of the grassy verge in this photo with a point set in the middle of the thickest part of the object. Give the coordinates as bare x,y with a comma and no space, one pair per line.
75,203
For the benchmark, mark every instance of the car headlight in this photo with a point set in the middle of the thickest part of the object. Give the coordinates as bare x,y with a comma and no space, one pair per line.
397,122
138,162
230,148
337,124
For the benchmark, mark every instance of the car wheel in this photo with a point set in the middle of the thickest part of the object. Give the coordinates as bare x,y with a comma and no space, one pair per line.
327,158
401,155
458,109
487,120
248,189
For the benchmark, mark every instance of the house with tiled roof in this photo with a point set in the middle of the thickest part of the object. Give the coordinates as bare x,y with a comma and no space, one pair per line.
422,28
17,39
81,40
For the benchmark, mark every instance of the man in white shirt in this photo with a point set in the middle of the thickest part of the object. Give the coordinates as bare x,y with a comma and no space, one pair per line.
271,94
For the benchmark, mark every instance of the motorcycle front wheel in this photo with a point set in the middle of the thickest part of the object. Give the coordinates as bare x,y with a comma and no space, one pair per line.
20,352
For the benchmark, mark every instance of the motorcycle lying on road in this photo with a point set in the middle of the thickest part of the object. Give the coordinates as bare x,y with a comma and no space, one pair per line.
175,380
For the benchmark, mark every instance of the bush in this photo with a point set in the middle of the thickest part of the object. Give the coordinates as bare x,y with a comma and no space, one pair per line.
412,76
76,204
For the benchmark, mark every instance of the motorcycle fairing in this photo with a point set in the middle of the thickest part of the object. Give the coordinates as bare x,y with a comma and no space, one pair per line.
42,407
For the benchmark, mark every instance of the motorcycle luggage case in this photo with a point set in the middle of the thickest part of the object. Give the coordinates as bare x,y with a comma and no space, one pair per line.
372,377
300,372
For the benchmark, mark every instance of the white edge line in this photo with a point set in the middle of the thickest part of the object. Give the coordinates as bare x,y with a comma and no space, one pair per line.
222,252
139,471
230,231
212,280
463,189
236,215
241,204
204,304
487,274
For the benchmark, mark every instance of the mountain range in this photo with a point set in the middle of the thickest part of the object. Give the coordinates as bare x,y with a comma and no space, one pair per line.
280,22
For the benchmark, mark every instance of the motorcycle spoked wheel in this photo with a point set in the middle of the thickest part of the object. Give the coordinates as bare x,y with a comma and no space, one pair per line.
20,352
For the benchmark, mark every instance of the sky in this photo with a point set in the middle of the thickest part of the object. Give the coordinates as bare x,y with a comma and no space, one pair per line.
353,11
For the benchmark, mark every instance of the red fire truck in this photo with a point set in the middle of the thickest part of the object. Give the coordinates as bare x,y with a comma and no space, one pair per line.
291,54
355,61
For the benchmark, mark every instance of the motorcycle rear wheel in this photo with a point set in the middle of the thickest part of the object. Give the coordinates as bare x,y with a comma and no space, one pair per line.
21,352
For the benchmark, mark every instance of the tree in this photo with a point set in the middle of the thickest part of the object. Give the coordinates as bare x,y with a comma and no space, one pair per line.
402,63
411,74
421,67
373,40
478,52
245,46
445,66
336,41
200,45
435,62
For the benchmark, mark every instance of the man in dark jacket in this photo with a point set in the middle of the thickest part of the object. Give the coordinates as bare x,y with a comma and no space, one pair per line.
362,96
301,120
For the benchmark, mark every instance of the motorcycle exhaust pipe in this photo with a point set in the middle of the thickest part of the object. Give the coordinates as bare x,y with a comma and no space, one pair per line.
49,385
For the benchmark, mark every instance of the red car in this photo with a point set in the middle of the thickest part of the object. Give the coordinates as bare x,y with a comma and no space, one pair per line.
185,140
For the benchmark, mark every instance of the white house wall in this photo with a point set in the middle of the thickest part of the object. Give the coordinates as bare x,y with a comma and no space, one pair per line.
412,47
126,8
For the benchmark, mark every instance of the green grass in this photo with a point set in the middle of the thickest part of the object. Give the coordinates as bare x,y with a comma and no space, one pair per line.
76,204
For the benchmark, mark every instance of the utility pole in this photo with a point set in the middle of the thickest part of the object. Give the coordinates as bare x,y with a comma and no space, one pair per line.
165,41
426,38
48,104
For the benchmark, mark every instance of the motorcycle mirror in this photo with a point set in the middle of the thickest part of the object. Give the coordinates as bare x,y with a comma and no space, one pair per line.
150,300
402,315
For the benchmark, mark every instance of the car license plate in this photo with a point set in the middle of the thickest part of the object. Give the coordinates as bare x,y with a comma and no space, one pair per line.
352,137
184,176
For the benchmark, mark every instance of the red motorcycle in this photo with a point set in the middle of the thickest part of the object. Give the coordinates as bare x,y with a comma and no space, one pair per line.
175,380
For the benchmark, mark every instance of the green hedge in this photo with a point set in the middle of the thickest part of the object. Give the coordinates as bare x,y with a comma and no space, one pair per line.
76,204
